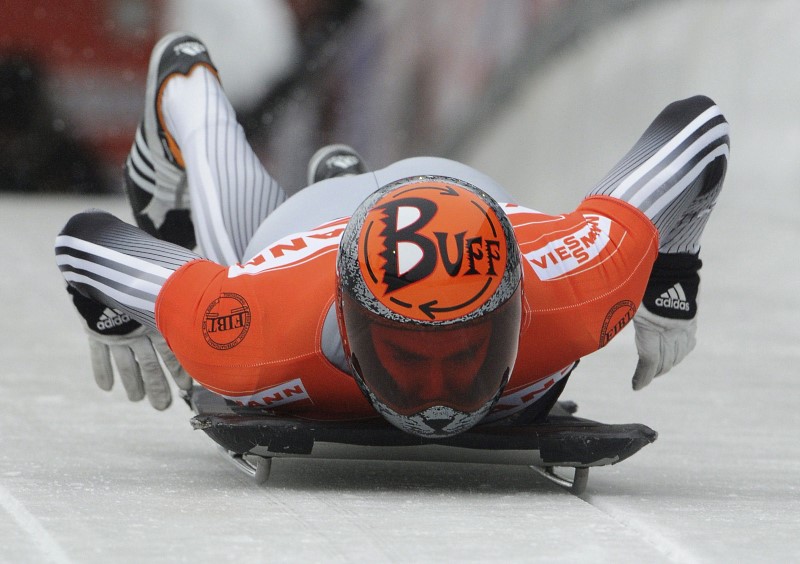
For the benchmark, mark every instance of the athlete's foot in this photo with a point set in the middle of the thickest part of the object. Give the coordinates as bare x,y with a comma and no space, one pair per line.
332,161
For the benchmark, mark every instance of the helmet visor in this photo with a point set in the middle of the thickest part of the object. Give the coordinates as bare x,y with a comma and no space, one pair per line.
411,367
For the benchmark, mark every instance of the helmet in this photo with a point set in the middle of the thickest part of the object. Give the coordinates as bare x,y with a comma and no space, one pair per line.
429,303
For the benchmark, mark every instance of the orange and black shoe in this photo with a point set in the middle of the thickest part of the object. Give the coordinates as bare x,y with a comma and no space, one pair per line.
155,178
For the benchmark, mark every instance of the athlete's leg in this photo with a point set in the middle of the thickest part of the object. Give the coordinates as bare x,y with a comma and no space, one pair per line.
231,192
190,136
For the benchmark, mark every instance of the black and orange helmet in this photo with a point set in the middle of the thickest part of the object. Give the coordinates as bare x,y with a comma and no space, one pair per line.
430,302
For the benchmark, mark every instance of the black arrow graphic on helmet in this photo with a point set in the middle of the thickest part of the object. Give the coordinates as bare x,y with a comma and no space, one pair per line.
444,191
429,309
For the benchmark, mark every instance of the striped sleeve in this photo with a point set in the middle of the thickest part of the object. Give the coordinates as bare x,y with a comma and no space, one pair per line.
117,264
674,172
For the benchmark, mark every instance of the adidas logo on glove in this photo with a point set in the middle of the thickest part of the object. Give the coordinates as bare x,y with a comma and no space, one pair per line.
112,318
674,298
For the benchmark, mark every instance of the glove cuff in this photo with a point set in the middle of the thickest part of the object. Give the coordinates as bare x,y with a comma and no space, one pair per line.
100,319
673,286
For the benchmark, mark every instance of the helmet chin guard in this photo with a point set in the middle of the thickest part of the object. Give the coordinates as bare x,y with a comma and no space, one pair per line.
433,422
430,303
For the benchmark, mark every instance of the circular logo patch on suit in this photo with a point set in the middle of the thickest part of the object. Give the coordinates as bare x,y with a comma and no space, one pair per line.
616,319
432,251
226,321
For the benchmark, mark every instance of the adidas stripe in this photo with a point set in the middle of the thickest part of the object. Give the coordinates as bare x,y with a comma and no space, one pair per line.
660,174
117,264
140,168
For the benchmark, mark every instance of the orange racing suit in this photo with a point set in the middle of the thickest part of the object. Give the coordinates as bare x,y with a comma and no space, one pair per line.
252,332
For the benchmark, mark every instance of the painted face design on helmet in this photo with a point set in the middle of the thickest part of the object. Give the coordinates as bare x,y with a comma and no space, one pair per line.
430,303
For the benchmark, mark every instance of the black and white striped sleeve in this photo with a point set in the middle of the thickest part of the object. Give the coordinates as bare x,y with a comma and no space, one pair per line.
117,264
675,171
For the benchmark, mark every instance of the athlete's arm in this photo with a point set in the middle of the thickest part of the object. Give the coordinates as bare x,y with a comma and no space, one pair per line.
116,264
115,272
673,174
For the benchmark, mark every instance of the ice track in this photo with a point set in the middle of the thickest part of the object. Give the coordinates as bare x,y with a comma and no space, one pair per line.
86,476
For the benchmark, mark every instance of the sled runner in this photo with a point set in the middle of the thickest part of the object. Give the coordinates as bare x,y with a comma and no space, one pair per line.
252,437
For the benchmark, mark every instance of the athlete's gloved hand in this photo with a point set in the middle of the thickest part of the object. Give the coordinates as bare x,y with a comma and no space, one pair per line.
662,343
666,323
135,350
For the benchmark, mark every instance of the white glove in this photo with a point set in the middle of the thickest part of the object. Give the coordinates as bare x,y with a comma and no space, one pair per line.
138,366
662,343
113,333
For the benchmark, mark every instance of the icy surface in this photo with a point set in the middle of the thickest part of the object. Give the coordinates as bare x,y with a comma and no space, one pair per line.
86,476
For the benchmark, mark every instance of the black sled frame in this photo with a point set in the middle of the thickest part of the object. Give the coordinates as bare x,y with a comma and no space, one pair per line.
252,437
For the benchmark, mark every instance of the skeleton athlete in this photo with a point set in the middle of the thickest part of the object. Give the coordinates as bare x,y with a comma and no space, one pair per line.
420,292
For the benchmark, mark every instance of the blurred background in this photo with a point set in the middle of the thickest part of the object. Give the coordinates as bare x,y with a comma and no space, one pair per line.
542,95
393,79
